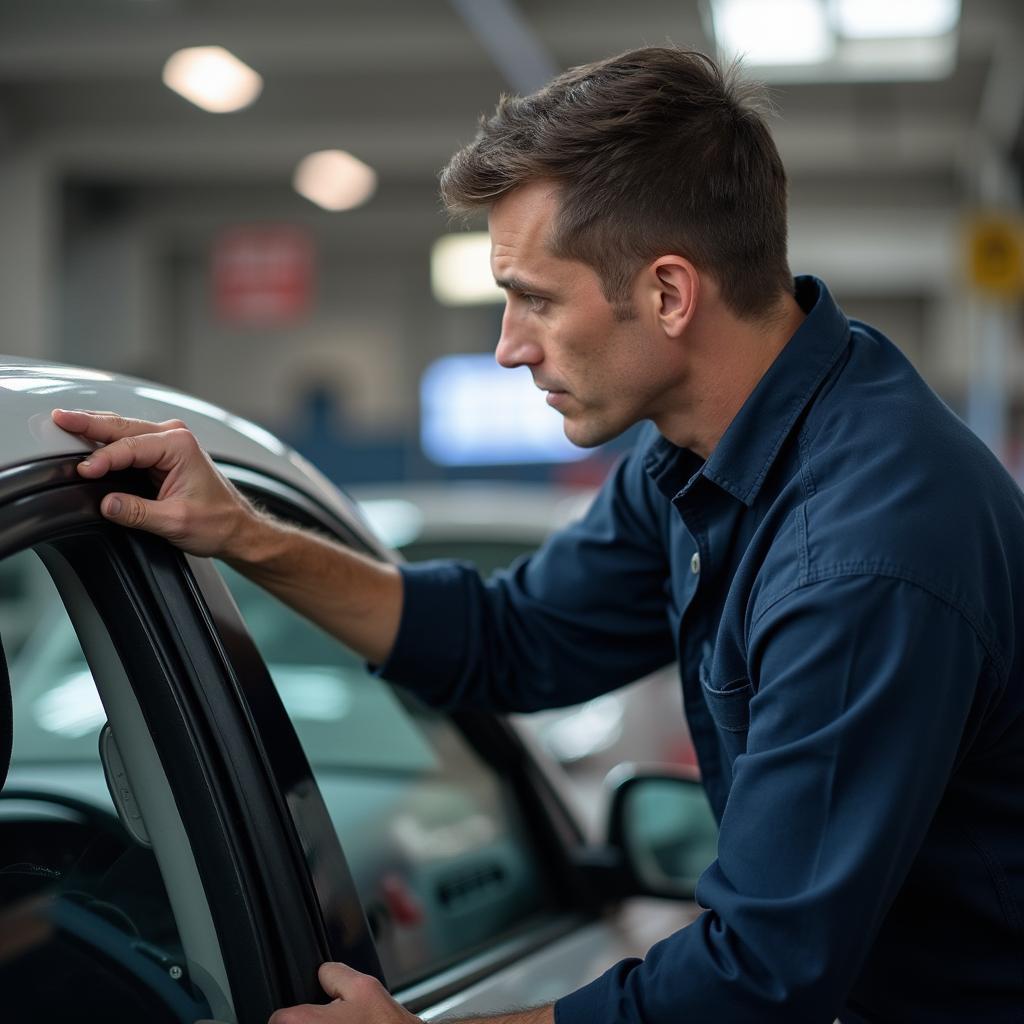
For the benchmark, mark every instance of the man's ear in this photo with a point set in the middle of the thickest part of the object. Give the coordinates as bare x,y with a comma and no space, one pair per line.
678,288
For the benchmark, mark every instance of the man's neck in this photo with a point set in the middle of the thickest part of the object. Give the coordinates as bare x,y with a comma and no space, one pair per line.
730,356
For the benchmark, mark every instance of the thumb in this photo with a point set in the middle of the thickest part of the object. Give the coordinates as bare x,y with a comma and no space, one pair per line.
335,978
131,510
344,982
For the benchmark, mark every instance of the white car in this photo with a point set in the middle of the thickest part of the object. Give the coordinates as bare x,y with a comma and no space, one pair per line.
208,796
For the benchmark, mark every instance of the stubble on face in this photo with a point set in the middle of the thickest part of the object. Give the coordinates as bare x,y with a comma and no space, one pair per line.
596,353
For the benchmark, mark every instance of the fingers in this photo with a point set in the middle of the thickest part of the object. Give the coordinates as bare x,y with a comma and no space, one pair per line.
140,451
343,982
195,509
308,1013
164,518
106,426
128,443
356,998
131,510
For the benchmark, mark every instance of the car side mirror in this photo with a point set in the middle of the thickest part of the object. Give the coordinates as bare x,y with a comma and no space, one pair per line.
661,824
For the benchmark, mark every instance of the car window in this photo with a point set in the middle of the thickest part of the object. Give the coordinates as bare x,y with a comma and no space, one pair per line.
86,927
437,845
643,722
487,555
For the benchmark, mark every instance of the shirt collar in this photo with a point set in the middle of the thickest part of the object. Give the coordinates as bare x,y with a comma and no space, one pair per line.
743,457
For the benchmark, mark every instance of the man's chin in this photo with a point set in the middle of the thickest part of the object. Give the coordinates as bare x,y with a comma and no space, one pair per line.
587,435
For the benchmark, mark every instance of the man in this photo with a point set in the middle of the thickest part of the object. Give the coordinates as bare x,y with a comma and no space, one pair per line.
835,560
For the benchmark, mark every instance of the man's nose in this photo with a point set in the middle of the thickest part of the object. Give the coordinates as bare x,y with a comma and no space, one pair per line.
514,348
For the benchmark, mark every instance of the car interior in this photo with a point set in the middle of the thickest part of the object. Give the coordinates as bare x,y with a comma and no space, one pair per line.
97,921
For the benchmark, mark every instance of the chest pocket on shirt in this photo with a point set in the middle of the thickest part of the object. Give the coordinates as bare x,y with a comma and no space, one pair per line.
729,704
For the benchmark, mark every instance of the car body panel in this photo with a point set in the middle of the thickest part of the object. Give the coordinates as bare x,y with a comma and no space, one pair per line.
30,389
573,961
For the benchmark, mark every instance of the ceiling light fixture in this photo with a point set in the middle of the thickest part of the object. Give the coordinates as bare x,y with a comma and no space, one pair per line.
334,180
212,78
784,32
886,19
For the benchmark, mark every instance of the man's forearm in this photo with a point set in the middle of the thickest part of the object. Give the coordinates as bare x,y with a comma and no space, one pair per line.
354,597
197,509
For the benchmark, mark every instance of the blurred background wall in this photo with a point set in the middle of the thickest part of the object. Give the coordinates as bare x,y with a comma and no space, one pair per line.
144,234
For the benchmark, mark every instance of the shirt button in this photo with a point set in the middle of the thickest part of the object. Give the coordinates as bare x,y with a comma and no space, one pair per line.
695,563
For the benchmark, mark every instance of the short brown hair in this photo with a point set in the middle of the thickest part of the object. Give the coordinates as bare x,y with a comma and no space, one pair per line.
656,151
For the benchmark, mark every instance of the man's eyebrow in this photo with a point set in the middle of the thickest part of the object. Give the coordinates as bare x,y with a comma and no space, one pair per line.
517,284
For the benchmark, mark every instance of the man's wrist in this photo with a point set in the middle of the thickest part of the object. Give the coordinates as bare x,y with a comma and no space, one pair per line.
257,541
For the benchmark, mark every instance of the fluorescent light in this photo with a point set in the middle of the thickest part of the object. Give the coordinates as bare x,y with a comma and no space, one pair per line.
460,270
899,59
334,179
889,19
212,78
780,32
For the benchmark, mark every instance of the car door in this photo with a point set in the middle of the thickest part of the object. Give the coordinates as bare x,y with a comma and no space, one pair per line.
462,891
464,858
155,863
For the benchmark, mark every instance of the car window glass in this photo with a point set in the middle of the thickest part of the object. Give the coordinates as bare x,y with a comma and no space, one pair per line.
86,928
486,555
436,843
642,722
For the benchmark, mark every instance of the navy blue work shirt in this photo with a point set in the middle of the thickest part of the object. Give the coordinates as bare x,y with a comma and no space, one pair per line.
842,582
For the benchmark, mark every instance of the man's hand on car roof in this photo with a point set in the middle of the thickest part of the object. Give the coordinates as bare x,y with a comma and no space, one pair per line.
196,508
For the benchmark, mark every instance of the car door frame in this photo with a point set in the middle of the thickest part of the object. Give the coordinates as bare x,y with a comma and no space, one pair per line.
280,891
554,831
254,866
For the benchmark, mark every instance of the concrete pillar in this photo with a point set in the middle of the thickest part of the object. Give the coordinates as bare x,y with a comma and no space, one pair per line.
28,246
110,300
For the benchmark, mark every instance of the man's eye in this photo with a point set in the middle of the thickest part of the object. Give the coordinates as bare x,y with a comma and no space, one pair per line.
537,303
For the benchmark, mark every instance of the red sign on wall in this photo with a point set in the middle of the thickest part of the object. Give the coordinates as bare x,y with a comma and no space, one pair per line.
262,275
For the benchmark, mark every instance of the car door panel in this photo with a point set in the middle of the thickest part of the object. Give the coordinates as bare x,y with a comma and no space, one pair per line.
147,620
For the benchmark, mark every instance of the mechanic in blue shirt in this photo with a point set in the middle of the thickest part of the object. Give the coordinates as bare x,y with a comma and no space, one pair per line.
836,561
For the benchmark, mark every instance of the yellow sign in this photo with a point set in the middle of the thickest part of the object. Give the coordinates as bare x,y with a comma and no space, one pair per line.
995,247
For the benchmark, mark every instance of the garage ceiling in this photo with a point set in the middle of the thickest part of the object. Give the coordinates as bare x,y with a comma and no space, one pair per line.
401,83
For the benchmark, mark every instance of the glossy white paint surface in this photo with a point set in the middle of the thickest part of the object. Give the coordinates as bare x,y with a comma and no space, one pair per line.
30,389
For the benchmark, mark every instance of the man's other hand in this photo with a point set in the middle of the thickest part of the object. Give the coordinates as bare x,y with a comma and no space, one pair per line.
196,508
362,999
358,999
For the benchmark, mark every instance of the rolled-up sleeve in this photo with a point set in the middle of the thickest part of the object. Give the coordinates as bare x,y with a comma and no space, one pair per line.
582,616
862,686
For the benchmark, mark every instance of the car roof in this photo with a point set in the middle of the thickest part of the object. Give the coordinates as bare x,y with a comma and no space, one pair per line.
31,388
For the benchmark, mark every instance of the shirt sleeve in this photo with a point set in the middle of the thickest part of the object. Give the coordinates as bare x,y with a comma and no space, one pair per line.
585,614
862,688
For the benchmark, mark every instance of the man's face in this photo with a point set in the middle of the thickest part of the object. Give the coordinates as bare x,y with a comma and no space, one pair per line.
601,373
